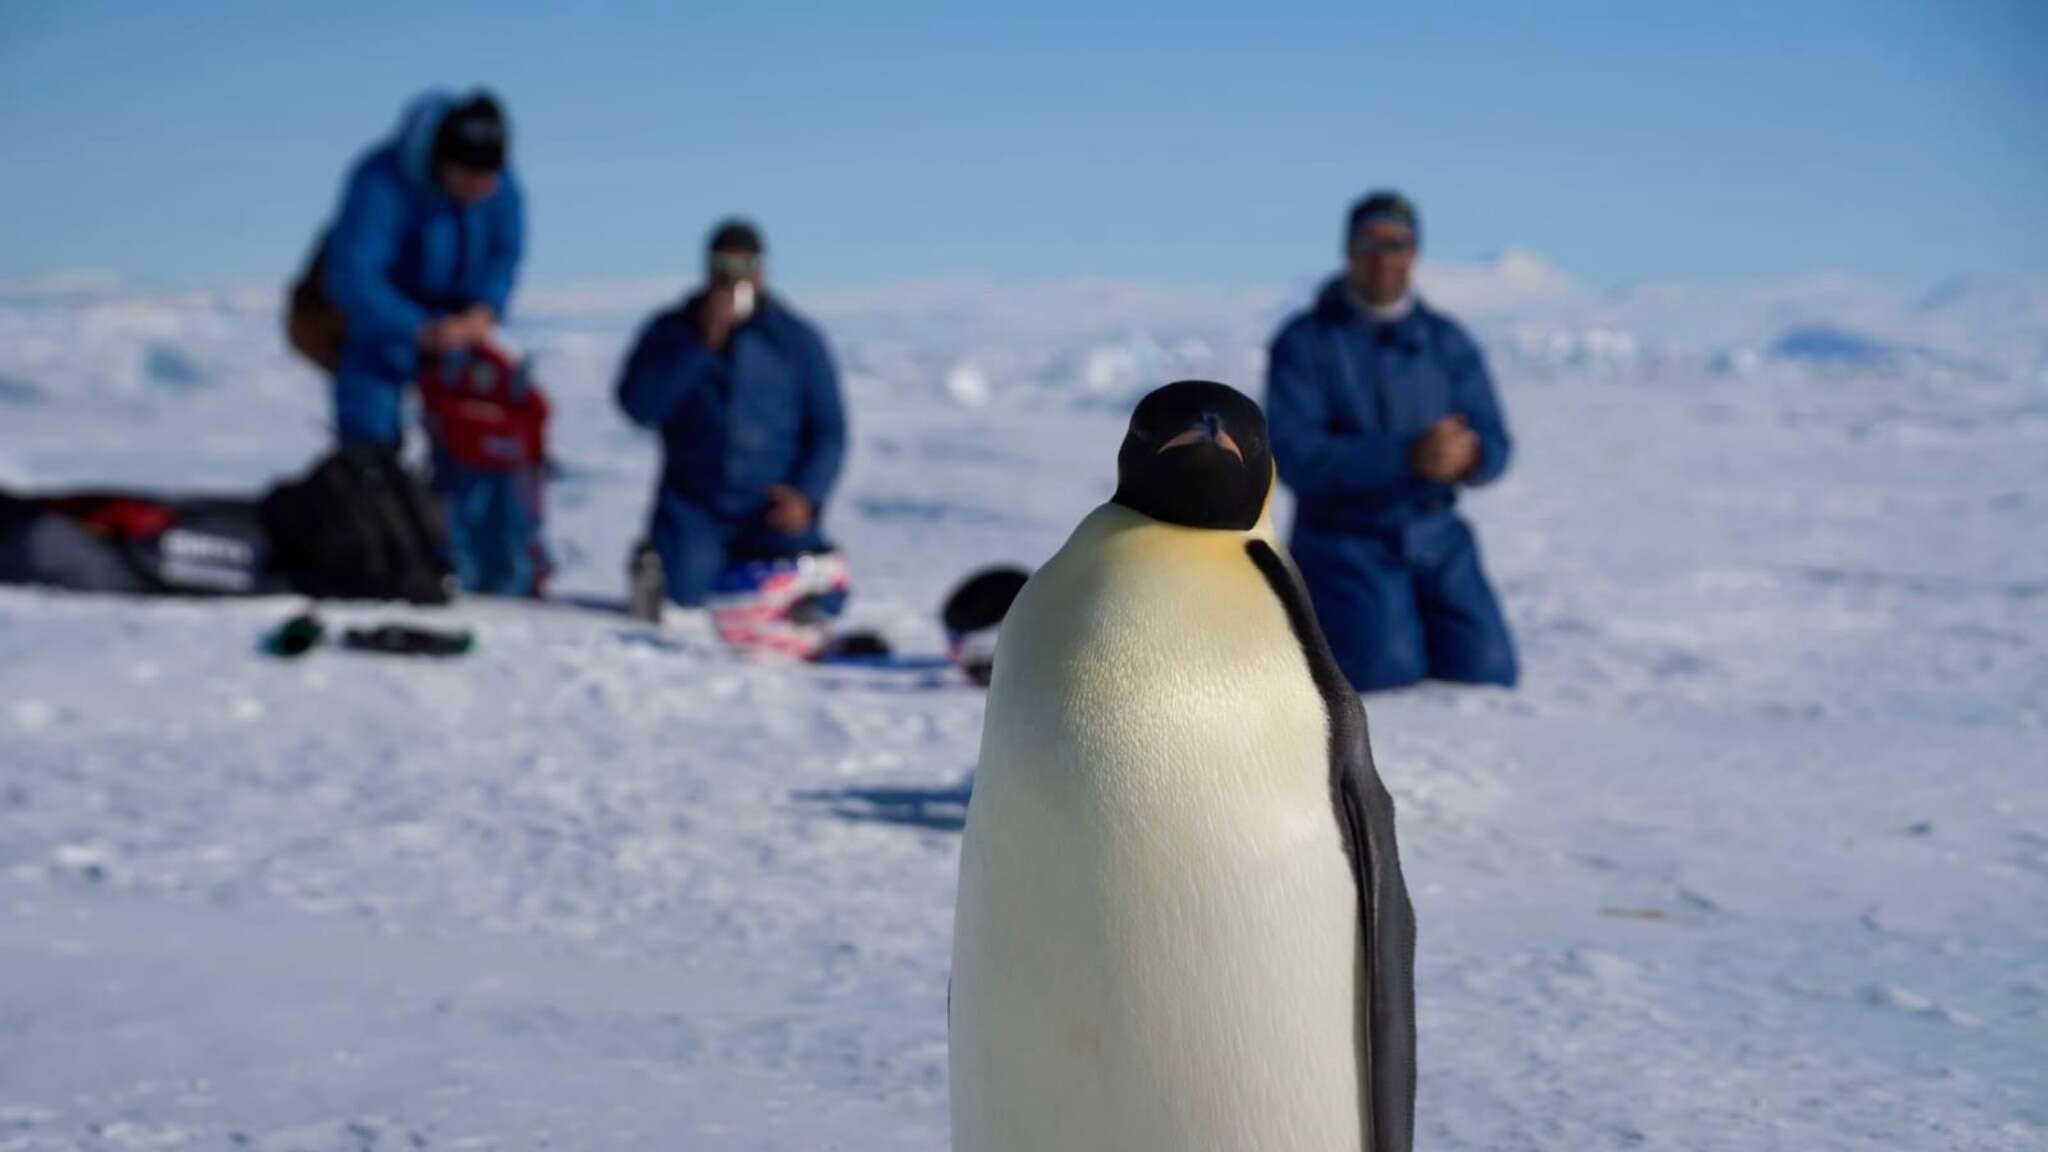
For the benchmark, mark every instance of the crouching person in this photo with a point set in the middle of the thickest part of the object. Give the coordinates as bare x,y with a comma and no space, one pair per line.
1382,412
407,287
746,400
420,260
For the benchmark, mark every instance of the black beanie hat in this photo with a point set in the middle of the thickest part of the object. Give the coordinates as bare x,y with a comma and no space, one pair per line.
736,236
1384,205
473,134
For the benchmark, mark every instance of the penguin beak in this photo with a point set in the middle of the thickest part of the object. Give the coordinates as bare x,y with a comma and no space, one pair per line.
1207,427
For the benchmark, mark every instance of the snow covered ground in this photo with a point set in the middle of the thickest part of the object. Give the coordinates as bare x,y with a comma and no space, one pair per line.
1758,857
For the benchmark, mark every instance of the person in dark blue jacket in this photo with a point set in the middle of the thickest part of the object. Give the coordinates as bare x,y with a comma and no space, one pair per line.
747,402
421,256
1380,410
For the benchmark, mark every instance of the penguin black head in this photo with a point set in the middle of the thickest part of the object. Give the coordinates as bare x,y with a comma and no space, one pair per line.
1196,456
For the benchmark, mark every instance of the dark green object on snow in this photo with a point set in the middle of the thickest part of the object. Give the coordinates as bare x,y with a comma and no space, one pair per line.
295,637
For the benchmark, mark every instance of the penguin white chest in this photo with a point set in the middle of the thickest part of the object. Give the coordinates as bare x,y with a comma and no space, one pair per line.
1157,943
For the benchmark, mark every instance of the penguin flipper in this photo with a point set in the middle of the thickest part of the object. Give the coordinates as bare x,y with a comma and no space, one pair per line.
1365,816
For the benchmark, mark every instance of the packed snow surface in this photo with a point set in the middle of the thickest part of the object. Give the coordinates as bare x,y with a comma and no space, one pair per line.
1756,858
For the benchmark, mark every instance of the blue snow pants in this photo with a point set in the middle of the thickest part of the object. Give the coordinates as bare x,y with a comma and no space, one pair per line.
1406,602
494,528
695,546
369,392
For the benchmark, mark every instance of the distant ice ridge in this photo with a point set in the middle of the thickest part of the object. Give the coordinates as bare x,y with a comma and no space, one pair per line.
975,342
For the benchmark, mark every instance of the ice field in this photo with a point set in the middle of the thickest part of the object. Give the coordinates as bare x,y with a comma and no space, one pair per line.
1757,857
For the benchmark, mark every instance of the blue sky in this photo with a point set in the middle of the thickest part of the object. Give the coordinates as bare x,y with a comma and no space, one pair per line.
193,144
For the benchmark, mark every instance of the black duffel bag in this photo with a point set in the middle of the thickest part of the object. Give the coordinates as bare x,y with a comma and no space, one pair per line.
359,527
136,544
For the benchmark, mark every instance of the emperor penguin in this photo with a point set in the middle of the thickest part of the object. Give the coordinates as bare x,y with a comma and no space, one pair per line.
1182,925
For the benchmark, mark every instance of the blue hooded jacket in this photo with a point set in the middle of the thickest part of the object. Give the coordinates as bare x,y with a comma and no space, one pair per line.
401,252
1346,397
1393,572
763,411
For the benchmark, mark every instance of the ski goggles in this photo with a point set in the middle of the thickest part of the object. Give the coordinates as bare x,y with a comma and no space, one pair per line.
1383,244
736,265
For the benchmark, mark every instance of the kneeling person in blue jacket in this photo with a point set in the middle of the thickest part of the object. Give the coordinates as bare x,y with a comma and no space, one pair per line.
747,403
422,255
1381,410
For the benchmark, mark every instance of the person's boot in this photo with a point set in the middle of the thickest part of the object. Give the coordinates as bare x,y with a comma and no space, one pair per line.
646,584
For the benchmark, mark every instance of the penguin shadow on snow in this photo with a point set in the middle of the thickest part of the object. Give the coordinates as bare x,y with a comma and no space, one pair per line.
913,676
16,391
941,809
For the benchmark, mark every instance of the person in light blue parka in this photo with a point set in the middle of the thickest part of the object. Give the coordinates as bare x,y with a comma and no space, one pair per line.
422,254
745,397
1380,410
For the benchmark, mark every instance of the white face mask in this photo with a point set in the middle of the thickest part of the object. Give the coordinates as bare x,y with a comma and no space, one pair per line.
1391,313
1384,313
742,300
